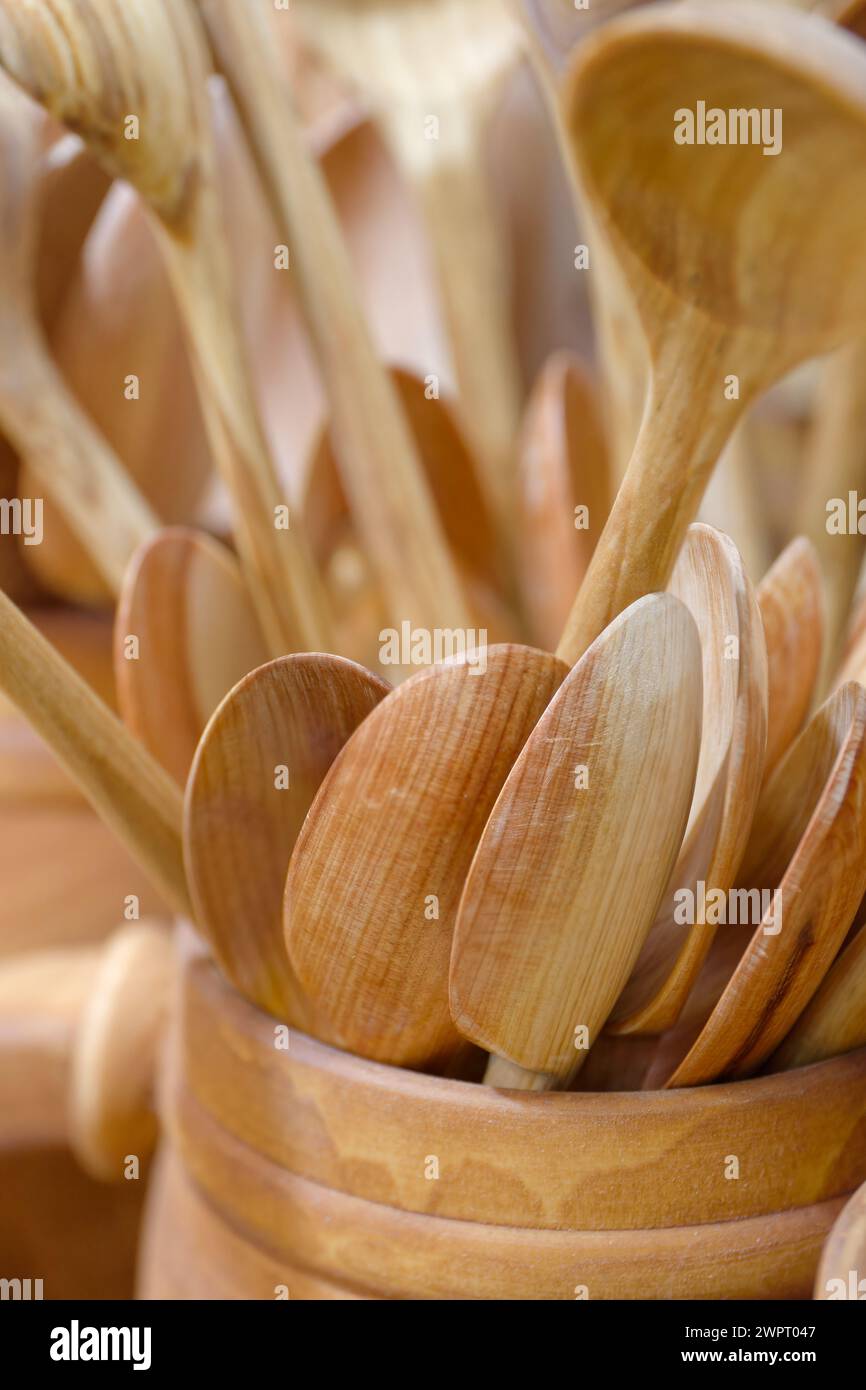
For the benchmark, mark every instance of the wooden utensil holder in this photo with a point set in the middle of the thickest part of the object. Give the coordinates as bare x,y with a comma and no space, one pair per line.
310,1173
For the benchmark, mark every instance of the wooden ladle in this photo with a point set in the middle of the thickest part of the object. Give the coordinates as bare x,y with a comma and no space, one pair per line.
733,287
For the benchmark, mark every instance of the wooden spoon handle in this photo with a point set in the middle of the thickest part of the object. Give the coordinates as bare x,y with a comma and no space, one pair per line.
131,792
381,470
682,434
466,239
284,585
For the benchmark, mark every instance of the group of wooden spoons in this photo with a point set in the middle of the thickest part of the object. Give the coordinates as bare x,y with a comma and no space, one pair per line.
494,853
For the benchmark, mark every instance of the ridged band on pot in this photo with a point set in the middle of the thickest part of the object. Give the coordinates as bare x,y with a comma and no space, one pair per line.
189,1251
385,1252
590,1162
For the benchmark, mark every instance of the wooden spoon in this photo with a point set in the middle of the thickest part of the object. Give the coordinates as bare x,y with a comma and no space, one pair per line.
68,459
562,465
130,791
444,61
835,1019
791,603
374,882
575,857
379,463
72,188
255,774
185,603
710,580
691,227
843,1259
91,72
801,931
121,300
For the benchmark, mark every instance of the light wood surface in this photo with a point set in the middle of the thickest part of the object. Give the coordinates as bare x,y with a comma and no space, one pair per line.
120,297
554,1161
709,578
467,523
820,892
792,611
68,458
391,1253
378,458
185,601
562,463
42,995
843,1258
835,1019
836,465
90,72
241,822
706,313
131,792
568,874
111,1097
448,60
189,1252
377,871
72,189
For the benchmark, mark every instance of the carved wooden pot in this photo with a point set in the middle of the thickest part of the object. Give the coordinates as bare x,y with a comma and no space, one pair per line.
313,1173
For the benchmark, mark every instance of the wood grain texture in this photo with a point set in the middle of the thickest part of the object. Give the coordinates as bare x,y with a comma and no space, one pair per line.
379,462
844,1253
792,611
90,68
448,59
131,792
562,463
552,1161
397,1254
834,1021
388,842
241,823
111,1099
568,874
185,600
709,578
189,1252
690,234
819,894
68,458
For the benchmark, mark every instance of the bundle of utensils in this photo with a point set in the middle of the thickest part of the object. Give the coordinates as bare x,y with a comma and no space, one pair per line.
637,860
